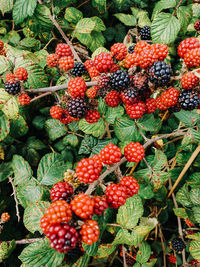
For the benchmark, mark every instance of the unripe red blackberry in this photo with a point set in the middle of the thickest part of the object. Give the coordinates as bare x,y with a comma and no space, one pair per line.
103,62
61,191
150,105
65,117
52,60
1,44
119,51
103,80
132,60
172,258
113,99
90,232
134,152
110,154
159,103
82,205
97,159
62,237
192,58
77,87
169,97
189,80
64,50
131,184
146,58
66,63
92,116
24,99
88,64
93,72
56,112
186,45
129,95
11,78
21,74
115,195
77,107
5,217
92,92
88,170
161,50
135,111
59,211
100,204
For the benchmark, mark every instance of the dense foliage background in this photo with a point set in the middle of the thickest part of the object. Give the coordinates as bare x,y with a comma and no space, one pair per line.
36,150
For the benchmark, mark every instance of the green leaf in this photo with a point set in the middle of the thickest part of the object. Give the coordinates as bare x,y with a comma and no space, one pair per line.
55,129
99,24
129,213
101,144
34,143
143,253
143,19
22,170
181,212
144,228
96,129
85,25
165,28
5,171
11,109
160,160
39,122
4,127
18,127
71,139
125,129
32,215
96,40
183,196
28,43
163,4
195,196
192,136
105,250
128,20
29,192
195,249
113,113
196,213
100,5
6,5
146,191
6,249
41,254
184,14
73,15
51,169
4,97
13,37
149,123
87,144
5,64
189,118
123,237
40,21
82,261
42,57
22,9
91,250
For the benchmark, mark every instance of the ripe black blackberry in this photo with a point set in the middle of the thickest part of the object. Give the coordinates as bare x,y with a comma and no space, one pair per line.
178,244
197,25
119,80
160,73
78,69
188,100
77,107
145,33
103,80
131,49
12,88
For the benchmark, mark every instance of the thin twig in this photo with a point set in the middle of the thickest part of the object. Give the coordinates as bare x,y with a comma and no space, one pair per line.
174,12
107,129
65,38
124,256
163,245
40,96
15,198
25,241
139,130
56,88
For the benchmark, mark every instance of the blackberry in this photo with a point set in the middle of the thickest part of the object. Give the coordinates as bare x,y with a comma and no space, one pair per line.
178,244
160,73
131,49
77,107
12,88
129,96
175,108
119,80
78,69
102,92
140,83
103,80
188,100
145,33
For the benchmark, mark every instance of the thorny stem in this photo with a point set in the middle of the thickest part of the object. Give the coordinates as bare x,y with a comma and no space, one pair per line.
15,198
56,88
25,241
124,256
40,96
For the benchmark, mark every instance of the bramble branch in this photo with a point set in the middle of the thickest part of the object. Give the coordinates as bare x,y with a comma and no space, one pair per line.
56,88
15,198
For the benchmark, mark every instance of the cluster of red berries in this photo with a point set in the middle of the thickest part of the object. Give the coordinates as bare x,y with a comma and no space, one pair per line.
2,50
57,222
89,169
63,57
5,217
